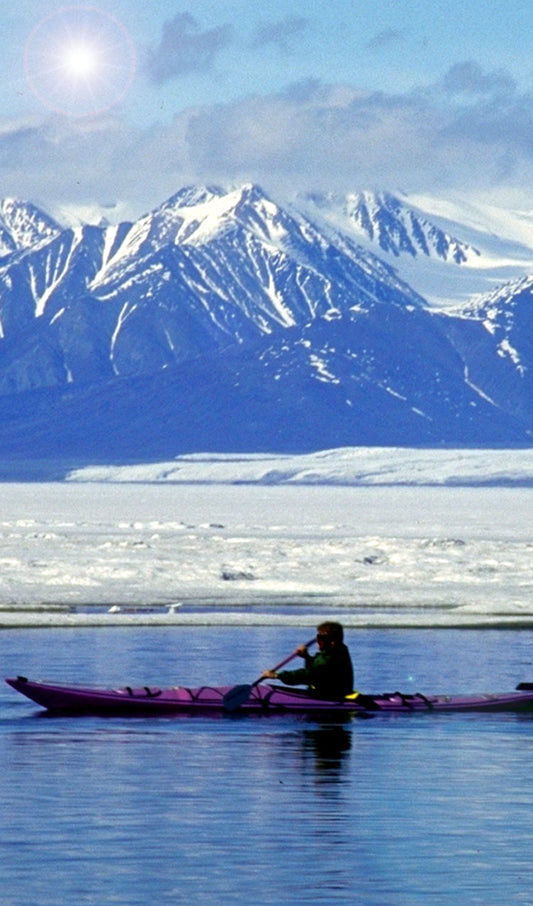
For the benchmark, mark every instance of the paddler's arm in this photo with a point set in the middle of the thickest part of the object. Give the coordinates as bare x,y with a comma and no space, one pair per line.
301,652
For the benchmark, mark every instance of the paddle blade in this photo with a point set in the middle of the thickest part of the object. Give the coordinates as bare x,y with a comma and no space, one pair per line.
236,697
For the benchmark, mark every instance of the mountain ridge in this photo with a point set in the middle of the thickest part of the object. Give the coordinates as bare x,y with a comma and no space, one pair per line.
222,319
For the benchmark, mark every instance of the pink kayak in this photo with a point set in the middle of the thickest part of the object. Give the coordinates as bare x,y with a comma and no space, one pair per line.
261,698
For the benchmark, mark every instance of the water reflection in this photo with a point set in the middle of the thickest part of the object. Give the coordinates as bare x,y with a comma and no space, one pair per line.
328,746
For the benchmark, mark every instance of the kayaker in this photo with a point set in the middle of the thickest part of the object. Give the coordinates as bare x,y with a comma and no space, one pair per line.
328,674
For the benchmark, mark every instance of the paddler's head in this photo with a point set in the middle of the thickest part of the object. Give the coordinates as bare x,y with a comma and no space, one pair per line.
329,634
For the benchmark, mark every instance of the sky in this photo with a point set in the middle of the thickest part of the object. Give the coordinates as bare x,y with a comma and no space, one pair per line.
116,105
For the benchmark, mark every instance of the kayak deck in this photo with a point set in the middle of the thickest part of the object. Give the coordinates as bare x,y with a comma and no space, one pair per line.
263,698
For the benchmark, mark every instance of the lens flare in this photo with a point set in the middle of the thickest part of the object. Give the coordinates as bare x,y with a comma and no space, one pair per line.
79,61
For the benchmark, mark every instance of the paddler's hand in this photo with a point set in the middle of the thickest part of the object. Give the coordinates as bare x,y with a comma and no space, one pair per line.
269,674
301,651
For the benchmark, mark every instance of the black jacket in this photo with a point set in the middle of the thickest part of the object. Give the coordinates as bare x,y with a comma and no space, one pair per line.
327,674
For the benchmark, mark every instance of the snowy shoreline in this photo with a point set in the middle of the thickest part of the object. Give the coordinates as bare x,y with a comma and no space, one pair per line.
42,619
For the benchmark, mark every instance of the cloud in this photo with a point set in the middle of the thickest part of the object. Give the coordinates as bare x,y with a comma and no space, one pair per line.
55,161
469,77
185,48
464,134
385,39
338,136
280,34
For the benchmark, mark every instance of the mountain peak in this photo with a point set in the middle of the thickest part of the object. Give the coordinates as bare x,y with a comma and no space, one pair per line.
193,195
197,214
23,225
392,224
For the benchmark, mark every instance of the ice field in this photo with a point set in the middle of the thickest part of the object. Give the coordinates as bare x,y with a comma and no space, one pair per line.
376,537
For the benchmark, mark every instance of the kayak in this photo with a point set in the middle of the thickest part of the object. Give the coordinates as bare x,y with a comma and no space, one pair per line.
263,698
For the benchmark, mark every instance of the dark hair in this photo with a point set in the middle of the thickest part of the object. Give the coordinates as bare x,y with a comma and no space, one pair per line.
334,630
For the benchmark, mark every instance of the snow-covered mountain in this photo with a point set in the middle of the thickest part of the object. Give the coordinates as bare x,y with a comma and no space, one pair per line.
450,252
393,225
494,337
22,226
224,321
205,271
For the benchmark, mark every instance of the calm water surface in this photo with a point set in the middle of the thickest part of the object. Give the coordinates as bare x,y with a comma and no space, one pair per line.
277,810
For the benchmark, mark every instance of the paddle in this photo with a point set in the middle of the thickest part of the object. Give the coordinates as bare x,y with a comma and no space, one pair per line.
239,694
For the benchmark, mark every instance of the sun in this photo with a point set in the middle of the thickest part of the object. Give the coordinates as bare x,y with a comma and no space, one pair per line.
79,61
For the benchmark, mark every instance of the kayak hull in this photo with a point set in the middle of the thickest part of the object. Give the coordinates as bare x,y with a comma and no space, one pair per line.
263,699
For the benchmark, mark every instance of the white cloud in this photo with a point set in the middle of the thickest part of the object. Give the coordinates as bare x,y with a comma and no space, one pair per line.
470,132
336,135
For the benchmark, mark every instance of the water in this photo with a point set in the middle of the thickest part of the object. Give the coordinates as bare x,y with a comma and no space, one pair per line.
386,811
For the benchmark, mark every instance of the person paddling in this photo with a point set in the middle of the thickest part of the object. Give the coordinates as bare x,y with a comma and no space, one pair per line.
328,674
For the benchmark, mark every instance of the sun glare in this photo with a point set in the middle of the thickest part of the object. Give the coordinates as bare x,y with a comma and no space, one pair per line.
79,61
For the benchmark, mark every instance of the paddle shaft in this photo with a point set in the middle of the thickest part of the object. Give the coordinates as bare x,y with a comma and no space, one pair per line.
285,661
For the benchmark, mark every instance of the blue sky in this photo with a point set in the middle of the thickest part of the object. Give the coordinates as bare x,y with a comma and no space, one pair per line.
422,96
